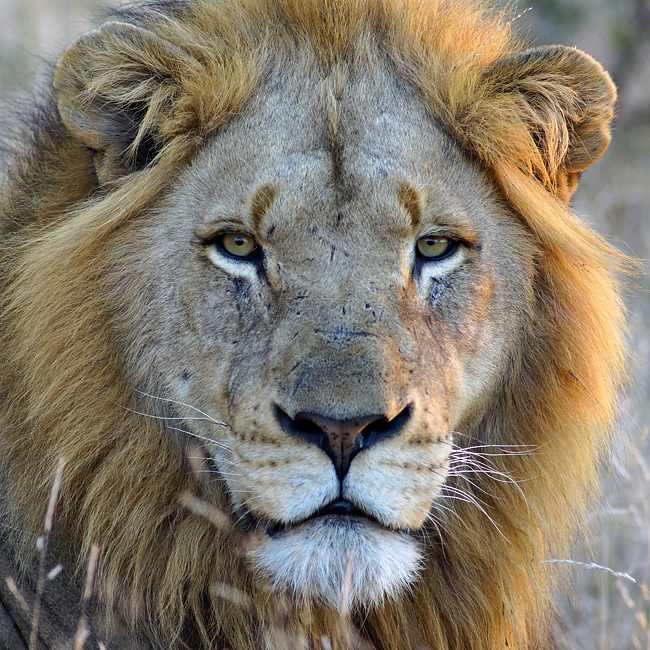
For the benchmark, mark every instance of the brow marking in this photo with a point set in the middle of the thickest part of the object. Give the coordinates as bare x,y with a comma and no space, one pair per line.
409,197
262,201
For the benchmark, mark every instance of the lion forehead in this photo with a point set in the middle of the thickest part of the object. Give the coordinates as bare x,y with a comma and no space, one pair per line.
319,153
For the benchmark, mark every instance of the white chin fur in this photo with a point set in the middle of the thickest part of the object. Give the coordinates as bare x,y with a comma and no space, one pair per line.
338,561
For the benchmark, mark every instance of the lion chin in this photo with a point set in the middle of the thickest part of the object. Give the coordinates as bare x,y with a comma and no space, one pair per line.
340,561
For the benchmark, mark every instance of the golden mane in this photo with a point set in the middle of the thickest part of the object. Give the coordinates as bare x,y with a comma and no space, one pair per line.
69,389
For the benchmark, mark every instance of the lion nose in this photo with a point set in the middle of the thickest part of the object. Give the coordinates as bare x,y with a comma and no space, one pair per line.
342,440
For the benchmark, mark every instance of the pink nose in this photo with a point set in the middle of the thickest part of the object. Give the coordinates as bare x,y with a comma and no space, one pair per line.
342,440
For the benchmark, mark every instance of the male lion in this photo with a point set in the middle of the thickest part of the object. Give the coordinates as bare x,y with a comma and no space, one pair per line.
293,288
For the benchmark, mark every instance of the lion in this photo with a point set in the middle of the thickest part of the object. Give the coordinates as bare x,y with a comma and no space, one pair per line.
293,296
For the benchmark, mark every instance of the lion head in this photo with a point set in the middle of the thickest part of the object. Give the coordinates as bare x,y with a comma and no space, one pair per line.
295,290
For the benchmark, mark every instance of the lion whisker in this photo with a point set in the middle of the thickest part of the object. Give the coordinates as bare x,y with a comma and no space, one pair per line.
503,449
476,465
481,443
244,506
216,472
164,417
469,481
462,495
189,406
241,518
447,509
218,443
519,448
440,528
487,516
463,465
465,475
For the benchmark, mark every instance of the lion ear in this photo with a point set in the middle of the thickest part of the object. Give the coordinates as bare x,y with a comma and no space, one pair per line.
567,100
114,86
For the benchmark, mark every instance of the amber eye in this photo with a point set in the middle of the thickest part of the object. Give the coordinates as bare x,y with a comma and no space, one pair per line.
238,244
435,247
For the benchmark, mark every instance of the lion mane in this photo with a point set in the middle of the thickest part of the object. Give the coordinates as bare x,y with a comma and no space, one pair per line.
131,106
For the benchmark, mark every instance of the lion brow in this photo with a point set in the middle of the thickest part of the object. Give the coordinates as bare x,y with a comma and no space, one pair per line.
262,201
409,198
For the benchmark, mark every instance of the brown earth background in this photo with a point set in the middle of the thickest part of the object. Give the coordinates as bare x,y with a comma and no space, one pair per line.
609,608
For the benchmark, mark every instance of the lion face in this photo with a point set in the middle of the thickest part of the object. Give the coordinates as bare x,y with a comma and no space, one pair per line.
338,285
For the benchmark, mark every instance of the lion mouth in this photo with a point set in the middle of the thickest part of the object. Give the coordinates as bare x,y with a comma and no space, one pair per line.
339,508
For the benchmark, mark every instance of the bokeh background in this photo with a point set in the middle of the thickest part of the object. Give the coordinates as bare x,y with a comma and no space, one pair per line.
609,608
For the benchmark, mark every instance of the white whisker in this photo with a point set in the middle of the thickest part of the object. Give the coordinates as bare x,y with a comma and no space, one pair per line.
189,406
462,495
464,462
218,443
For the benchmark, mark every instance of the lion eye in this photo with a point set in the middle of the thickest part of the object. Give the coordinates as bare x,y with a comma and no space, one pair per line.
238,244
435,247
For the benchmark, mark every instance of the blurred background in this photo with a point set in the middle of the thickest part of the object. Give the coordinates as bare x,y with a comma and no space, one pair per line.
609,608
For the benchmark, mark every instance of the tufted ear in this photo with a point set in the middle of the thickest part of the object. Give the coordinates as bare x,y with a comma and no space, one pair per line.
115,86
567,103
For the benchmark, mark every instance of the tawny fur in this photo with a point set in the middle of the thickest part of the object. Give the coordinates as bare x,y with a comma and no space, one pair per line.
65,390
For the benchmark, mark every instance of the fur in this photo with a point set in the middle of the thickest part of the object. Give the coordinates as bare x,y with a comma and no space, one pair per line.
97,160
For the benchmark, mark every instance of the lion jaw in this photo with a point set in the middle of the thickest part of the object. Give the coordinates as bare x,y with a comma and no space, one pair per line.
340,561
